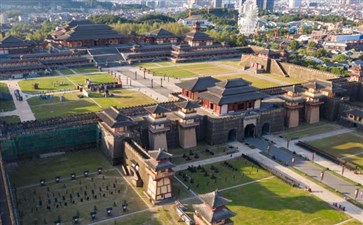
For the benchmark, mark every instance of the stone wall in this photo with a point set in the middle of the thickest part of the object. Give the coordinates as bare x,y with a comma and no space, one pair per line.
304,73
275,118
329,110
248,60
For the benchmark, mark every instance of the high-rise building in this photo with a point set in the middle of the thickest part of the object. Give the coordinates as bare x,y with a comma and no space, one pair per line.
217,3
294,3
265,5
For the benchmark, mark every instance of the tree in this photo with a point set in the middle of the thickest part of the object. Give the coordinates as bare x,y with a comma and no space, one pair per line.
311,45
340,58
321,53
294,45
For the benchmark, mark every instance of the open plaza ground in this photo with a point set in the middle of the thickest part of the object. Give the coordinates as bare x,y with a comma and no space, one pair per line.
260,198
51,106
222,70
348,146
38,204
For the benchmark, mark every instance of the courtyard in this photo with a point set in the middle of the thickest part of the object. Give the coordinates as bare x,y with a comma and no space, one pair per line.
222,70
86,183
258,197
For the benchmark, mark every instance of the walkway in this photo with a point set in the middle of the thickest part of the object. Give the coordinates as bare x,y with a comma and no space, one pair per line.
240,151
314,171
281,142
318,191
23,109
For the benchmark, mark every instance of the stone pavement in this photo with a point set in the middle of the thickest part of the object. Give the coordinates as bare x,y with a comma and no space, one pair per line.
281,142
308,168
23,109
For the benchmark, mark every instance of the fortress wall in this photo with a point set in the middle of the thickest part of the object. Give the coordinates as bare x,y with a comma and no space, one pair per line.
132,154
248,60
273,117
304,73
276,69
329,110
218,129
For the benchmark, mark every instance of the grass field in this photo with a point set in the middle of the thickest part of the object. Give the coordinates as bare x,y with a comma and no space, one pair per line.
73,105
6,105
122,98
49,84
85,70
274,202
226,177
66,71
267,201
43,109
256,82
95,78
306,130
200,151
10,119
348,146
31,172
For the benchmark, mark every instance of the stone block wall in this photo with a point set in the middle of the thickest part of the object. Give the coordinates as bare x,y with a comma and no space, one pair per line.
273,117
304,73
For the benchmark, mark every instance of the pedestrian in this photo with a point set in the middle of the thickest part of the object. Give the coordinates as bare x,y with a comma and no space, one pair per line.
361,194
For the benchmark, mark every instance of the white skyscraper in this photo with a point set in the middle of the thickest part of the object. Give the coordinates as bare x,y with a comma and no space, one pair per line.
248,16
294,3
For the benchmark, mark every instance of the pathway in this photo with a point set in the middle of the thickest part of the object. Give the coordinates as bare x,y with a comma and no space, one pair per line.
281,142
314,171
23,109
318,191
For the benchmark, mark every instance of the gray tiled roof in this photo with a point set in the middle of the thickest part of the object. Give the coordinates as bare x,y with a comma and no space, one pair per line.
113,118
88,32
324,85
197,36
232,91
213,216
156,109
187,105
198,84
12,41
356,112
160,154
161,33
214,199
159,166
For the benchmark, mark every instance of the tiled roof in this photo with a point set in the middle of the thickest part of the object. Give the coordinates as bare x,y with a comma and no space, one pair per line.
12,41
161,33
198,84
324,85
197,36
160,154
156,109
213,216
232,91
187,105
87,32
113,118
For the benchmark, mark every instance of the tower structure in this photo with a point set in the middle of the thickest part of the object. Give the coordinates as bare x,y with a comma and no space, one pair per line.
294,101
158,126
313,102
248,17
160,173
213,211
187,123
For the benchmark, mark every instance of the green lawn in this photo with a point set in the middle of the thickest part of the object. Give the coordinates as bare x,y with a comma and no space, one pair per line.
175,72
6,105
48,84
85,69
109,190
226,177
72,104
274,202
256,82
352,222
344,146
200,151
10,119
44,109
96,78
30,172
122,98
66,71
306,130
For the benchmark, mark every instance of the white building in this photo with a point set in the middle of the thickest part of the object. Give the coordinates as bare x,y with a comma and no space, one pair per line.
294,3
248,17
